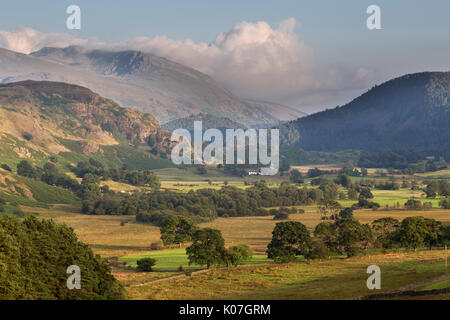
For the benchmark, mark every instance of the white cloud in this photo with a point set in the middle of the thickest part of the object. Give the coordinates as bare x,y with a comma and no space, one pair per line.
253,60
26,40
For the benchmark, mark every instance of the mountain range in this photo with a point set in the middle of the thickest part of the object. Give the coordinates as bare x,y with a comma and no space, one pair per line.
409,112
152,84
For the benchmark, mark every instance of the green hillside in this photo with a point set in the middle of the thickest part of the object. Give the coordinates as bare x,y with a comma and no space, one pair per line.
411,112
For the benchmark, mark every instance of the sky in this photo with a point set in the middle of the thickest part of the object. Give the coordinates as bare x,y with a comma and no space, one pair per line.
306,54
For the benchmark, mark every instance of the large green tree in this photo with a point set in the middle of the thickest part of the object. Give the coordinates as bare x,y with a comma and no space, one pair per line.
434,234
352,236
326,233
384,230
207,248
90,188
413,232
289,239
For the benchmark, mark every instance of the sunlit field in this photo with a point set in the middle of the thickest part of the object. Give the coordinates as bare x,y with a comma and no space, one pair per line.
123,239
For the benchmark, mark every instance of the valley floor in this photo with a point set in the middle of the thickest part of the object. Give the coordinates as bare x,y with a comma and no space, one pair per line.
338,278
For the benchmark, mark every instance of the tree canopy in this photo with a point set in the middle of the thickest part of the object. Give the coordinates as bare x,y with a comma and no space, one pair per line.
35,255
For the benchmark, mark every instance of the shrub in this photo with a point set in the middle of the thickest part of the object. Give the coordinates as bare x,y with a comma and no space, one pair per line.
346,213
5,167
156,245
364,203
53,159
281,216
445,203
145,264
318,251
24,168
27,136
427,205
19,212
237,255
413,204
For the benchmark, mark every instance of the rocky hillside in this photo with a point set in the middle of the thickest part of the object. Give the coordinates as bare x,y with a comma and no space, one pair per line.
41,118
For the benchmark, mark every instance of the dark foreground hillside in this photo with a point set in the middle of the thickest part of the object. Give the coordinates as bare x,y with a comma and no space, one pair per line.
35,255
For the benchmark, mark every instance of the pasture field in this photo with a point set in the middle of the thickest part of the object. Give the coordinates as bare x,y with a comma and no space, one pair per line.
188,179
171,259
442,174
324,167
125,241
104,234
108,238
326,279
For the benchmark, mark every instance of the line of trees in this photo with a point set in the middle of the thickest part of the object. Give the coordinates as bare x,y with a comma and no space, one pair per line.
49,174
206,204
437,188
92,173
123,174
405,161
347,236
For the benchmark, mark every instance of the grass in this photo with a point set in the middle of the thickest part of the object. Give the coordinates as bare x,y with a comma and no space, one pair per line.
437,285
442,174
104,234
23,201
327,279
188,179
171,259
108,238
166,260
260,279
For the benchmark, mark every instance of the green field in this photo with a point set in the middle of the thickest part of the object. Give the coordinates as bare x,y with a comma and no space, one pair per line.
171,259
442,174
438,285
